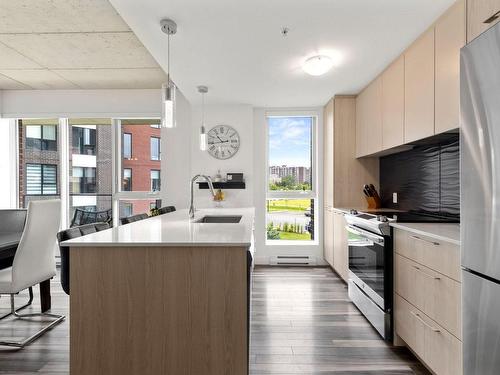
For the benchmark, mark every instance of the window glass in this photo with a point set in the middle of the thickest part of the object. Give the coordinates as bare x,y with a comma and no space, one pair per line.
155,180
141,172
49,132
290,151
155,148
41,179
34,131
290,219
129,207
127,146
127,179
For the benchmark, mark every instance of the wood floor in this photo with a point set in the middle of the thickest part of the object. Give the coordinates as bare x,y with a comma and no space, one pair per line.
302,323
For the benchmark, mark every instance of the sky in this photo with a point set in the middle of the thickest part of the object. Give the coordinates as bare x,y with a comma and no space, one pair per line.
290,141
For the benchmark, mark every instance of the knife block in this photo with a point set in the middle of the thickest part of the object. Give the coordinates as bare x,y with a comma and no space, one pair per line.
373,202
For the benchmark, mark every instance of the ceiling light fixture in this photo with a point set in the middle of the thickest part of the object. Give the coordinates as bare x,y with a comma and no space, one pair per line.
203,135
317,65
169,27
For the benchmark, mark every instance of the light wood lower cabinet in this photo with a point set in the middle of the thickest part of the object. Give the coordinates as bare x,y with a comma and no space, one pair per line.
436,295
436,347
427,300
328,236
340,250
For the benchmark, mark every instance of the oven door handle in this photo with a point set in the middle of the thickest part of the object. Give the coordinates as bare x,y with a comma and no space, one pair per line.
364,233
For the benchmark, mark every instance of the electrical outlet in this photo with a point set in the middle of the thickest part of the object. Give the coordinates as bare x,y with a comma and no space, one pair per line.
394,197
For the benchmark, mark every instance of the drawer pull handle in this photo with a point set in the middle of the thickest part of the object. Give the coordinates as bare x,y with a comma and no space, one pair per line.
493,18
426,274
433,329
426,241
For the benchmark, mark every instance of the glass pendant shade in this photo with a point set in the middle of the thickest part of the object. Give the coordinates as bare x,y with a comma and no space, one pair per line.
203,139
168,106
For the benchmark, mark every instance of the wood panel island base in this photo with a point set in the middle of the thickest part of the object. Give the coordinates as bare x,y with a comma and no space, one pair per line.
159,309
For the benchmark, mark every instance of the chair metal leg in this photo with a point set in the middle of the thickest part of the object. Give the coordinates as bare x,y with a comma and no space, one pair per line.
30,291
23,343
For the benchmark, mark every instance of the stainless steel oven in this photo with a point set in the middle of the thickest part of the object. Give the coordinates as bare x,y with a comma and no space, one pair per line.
370,276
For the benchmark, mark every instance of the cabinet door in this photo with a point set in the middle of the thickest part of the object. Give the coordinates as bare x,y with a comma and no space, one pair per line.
328,236
393,104
340,250
450,37
419,88
478,12
369,119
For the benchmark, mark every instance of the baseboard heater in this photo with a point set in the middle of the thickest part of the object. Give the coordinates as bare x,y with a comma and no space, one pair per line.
293,260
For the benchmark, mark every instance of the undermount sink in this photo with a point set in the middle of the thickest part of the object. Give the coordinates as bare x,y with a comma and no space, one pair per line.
223,219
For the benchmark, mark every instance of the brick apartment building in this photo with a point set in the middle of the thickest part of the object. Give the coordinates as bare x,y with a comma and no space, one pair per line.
90,163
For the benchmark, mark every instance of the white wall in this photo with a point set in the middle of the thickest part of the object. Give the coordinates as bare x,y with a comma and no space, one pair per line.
240,117
8,164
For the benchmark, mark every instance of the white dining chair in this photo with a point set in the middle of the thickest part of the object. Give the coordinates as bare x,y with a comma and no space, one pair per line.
34,261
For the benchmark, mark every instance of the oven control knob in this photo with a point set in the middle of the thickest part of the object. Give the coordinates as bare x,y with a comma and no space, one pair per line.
382,218
353,212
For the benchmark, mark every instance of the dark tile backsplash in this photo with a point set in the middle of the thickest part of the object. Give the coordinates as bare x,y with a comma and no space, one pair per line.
425,178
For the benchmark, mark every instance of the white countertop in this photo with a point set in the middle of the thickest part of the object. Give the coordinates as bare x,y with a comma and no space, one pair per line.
176,229
440,231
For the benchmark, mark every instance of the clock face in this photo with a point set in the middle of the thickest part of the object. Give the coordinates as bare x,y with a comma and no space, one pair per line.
223,142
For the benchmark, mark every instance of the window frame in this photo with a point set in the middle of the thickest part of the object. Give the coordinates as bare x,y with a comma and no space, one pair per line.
313,194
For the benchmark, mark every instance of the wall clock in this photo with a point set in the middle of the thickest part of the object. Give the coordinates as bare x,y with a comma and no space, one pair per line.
223,142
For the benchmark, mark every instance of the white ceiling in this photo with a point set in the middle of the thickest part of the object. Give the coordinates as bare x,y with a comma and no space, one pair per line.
71,44
236,49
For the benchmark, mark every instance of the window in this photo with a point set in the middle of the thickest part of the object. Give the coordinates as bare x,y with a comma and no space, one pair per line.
41,179
155,180
155,149
129,207
156,126
89,165
83,180
127,146
291,192
84,139
41,137
127,179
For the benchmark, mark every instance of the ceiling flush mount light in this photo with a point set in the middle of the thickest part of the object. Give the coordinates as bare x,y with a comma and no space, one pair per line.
203,135
169,27
317,65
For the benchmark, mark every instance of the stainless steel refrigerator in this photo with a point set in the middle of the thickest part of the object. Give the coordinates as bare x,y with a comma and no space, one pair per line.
480,203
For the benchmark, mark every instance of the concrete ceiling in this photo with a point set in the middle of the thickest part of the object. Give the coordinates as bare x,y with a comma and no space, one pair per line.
71,44
235,46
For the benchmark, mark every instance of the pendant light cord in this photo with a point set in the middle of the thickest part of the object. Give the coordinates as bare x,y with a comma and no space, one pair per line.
168,59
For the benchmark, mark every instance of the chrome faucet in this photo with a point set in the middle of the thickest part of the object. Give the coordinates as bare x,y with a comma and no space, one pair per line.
193,180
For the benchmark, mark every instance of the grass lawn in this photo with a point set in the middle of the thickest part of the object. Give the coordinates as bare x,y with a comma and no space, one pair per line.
287,236
288,205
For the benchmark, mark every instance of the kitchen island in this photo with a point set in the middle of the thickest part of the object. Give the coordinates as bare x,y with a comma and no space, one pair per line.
166,295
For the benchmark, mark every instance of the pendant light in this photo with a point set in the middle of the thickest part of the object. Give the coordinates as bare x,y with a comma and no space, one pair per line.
169,27
203,135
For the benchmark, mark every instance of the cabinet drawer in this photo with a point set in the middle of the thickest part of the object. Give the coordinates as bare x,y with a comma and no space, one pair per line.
436,295
440,350
440,256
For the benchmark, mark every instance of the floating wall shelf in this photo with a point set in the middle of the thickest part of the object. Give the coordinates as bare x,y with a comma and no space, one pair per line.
224,185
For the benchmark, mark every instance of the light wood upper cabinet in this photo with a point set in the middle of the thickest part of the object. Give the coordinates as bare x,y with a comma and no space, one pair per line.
479,11
393,104
369,119
328,118
419,88
450,37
